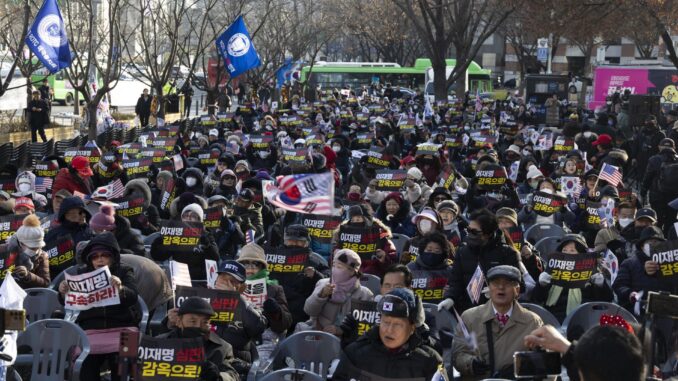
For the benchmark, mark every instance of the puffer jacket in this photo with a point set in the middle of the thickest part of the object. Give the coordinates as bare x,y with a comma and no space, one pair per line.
401,222
199,188
39,200
148,221
632,278
250,218
368,356
130,242
324,312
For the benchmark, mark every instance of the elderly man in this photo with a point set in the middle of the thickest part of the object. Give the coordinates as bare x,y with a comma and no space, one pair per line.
499,326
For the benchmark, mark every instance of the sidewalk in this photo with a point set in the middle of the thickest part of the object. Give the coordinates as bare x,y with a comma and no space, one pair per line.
58,133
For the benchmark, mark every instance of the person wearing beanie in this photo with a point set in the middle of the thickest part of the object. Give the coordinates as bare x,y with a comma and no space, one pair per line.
275,308
227,183
104,324
106,220
192,213
32,263
454,227
72,220
192,320
396,213
417,192
25,186
393,349
331,298
426,221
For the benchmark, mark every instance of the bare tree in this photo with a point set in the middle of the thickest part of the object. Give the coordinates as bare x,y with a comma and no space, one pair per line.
461,24
663,21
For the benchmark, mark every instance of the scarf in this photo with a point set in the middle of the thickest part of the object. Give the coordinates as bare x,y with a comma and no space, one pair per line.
263,273
573,298
345,283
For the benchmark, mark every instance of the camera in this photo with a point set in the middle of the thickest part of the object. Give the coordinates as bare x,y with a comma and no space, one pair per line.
536,364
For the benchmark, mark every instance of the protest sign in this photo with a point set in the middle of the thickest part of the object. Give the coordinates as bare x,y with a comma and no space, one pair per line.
130,206
295,157
545,204
256,292
314,139
446,179
666,255
491,177
321,228
137,168
364,138
156,154
166,143
170,359
92,154
167,194
390,179
226,304
208,157
89,290
571,270
516,235
61,254
180,236
367,315
179,275
429,285
9,224
7,184
428,149
454,141
261,142
287,260
46,169
591,218
563,144
130,148
362,240
376,158
213,217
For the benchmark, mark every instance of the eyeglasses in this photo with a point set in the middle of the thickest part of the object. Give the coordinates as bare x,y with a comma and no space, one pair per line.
474,231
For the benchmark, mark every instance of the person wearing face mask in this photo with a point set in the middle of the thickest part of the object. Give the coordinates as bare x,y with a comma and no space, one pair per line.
417,192
32,263
433,265
25,187
454,227
638,274
343,160
427,221
561,301
611,237
103,325
331,299
228,235
192,321
563,217
72,221
263,158
485,246
396,213
194,181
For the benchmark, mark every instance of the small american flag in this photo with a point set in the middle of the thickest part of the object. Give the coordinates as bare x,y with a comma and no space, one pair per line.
249,236
42,184
117,189
611,174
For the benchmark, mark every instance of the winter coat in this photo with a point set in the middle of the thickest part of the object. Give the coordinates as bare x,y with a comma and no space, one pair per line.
324,312
130,242
374,266
250,218
39,200
199,188
652,172
632,278
152,282
143,107
77,232
228,238
401,222
217,351
207,249
506,340
69,180
38,275
415,360
466,259
148,221
280,321
589,293
645,145
428,282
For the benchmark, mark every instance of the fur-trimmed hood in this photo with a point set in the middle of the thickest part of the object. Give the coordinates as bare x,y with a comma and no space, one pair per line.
618,154
139,185
175,212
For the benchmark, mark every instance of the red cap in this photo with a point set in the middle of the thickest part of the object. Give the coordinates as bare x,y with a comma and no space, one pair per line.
81,164
115,143
602,139
407,160
25,202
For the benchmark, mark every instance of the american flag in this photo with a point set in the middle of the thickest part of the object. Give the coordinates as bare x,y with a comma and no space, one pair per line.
117,189
303,193
249,236
42,184
479,102
611,174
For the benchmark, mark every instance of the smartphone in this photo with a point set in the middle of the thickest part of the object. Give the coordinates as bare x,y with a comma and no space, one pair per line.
536,364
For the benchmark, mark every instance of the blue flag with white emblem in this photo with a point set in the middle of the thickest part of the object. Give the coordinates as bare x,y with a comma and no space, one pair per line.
235,46
47,38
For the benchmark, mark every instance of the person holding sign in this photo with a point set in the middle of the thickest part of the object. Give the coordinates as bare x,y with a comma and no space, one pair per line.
72,221
546,206
393,349
104,324
576,283
499,327
193,321
32,263
331,299
431,269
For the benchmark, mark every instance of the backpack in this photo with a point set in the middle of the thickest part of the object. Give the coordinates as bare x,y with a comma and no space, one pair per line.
668,178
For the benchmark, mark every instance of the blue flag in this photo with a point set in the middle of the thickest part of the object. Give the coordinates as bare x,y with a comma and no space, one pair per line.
47,38
282,73
235,46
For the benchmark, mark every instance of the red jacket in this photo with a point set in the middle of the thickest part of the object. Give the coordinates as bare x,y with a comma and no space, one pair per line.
72,183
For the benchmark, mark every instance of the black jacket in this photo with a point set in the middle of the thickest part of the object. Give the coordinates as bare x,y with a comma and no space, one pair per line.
652,172
77,232
632,278
414,361
129,241
589,293
143,106
207,249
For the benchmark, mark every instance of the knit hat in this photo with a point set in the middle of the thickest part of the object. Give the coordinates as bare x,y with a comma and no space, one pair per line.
296,232
253,253
349,258
395,196
415,173
509,214
448,204
196,305
533,172
195,208
104,220
399,302
227,172
242,163
355,210
23,201
30,233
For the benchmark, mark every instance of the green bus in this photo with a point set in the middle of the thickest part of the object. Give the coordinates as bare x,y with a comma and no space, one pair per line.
63,90
330,75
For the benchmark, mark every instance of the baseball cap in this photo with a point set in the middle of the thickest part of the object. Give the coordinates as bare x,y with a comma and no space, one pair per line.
602,139
504,271
646,213
25,202
246,194
233,268
81,164
214,132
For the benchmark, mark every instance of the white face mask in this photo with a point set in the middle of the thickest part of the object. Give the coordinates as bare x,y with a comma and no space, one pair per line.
336,148
24,187
646,249
425,226
264,154
191,181
624,222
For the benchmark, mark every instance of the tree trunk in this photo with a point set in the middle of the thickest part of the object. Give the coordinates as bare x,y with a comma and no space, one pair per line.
439,80
460,86
91,108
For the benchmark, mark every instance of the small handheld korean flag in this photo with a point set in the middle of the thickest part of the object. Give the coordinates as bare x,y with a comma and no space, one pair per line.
47,38
236,48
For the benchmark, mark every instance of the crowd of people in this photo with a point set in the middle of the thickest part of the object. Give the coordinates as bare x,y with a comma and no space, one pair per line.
443,203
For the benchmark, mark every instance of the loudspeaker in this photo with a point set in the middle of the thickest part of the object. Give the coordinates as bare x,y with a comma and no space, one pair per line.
640,106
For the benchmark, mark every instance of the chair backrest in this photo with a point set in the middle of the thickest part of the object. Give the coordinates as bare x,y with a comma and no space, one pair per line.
144,314
443,323
547,245
57,346
40,303
546,316
399,240
539,231
148,240
54,285
309,350
372,282
291,374
588,315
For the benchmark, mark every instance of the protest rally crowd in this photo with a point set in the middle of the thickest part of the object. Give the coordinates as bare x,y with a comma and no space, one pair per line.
415,238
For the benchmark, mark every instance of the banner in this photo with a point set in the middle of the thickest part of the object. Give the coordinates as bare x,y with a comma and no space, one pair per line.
295,158
8,185
156,154
287,260
303,193
571,270
89,290
130,206
62,254
361,239
367,315
492,177
130,148
9,224
516,235
166,143
137,168
591,219
47,38
226,304
321,228
170,359
167,195
213,217
364,138
261,142
375,158
236,48
545,204
256,292
429,285
92,154
179,236
666,254
391,179
428,149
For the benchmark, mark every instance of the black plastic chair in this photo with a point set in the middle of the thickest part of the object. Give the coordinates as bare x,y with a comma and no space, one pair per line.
540,231
546,316
588,315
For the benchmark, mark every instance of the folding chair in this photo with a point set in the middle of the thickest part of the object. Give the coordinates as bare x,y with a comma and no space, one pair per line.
588,315
442,323
545,315
399,240
40,303
292,375
310,350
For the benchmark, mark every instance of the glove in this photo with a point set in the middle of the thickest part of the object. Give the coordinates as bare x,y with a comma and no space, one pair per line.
349,324
445,304
272,307
544,279
210,371
598,280
633,297
479,367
